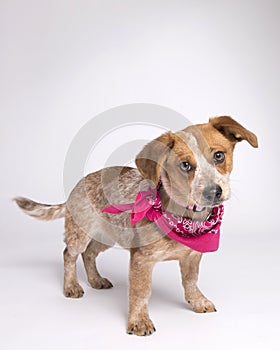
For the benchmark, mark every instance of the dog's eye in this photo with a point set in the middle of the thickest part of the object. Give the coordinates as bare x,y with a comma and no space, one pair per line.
186,167
218,157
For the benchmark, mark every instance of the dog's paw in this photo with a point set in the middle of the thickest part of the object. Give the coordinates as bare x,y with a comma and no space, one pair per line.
73,291
101,283
142,327
202,305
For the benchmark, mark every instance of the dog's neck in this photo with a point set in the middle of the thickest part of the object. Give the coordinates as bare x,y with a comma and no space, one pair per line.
169,205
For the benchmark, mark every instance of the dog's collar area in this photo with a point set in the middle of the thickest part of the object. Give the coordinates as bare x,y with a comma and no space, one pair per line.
201,236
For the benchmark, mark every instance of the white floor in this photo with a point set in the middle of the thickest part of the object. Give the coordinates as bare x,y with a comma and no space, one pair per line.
242,279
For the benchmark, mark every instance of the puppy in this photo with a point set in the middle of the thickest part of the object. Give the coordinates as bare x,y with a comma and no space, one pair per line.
169,208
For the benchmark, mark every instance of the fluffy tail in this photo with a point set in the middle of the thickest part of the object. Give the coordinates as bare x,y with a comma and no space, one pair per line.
41,211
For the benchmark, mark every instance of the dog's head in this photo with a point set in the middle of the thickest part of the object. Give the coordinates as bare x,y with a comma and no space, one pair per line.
194,164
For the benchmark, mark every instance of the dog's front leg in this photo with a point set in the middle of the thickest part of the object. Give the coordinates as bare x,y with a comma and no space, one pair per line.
140,286
189,266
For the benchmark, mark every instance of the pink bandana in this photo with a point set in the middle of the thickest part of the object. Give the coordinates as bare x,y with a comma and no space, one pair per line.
201,236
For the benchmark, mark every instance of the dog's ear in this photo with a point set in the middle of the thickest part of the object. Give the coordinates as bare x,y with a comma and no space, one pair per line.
233,131
151,158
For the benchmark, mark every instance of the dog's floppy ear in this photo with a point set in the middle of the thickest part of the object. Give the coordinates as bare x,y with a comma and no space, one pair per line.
233,131
150,159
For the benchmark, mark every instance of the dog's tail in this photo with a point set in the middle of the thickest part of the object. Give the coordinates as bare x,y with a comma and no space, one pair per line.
41,211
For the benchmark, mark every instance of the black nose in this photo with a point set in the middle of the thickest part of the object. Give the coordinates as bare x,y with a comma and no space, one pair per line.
212,193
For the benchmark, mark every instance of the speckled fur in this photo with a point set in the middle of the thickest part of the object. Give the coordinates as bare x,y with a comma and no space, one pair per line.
88,231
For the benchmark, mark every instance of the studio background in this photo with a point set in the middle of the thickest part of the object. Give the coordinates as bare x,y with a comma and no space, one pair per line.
62,63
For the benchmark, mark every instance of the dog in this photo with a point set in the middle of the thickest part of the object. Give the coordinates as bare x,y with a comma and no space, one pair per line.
180,180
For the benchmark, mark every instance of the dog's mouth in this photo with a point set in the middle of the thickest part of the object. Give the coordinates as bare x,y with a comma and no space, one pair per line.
195,208
198,209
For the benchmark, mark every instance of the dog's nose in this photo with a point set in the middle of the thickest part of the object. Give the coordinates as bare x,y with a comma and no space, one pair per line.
212,193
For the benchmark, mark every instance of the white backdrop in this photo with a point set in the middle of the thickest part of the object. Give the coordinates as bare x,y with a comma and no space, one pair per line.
62,63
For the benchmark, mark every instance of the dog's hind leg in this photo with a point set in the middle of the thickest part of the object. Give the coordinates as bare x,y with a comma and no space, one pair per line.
76,243
89,258
72,289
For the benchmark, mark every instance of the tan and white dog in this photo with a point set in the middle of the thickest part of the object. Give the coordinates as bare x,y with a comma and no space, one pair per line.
193,166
